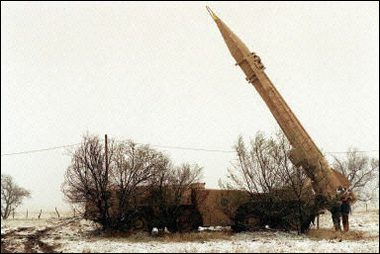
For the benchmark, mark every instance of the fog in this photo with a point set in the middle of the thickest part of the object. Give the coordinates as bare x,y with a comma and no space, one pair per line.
160,74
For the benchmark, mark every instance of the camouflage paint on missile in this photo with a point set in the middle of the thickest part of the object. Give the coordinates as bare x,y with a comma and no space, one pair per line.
305,153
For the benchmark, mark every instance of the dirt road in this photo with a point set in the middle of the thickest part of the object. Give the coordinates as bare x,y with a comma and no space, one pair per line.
28,239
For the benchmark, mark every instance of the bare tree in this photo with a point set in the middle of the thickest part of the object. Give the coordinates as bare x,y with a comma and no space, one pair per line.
111,197
132,172
254,169
138,179
86,180
11,195
281,194
361,170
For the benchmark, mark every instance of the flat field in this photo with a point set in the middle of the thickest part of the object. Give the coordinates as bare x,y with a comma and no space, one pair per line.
75,235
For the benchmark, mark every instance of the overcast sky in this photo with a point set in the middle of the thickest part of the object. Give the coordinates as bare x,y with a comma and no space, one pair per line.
160,73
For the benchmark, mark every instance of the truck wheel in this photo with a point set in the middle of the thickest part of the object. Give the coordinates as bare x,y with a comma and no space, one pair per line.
189,220
246,219
249,222
252,222
140,224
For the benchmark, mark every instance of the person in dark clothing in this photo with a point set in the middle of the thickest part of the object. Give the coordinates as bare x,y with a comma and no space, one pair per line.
336,213
345,209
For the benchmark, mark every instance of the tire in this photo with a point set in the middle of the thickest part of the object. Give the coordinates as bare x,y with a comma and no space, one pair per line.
140,224
189,219
247,218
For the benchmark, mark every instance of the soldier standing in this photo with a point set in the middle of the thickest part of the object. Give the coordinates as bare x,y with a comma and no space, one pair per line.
345,209
336,213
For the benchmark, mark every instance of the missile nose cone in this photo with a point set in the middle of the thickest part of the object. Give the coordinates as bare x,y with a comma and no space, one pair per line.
212,14
236,47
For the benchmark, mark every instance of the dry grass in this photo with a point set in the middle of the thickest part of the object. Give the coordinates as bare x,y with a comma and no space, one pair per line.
330,234
127,236
197,237
216,250
168,237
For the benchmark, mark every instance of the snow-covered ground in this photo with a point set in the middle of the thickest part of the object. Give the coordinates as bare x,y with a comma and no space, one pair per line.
73,235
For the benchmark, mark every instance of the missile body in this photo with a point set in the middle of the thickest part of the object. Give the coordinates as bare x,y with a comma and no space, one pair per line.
304,153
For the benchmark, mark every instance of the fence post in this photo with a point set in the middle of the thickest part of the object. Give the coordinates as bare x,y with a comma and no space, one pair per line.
57,213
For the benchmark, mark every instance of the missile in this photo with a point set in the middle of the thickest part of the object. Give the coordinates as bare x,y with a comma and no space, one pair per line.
305,153
251,65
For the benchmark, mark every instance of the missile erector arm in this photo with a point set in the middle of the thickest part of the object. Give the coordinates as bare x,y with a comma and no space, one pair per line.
305,153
